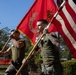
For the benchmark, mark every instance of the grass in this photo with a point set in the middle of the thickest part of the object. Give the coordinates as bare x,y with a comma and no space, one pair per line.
2,69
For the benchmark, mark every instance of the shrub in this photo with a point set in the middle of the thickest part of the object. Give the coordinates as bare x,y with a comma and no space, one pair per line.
69,67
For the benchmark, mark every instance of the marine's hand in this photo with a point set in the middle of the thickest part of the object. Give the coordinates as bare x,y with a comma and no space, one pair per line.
11,36
23,61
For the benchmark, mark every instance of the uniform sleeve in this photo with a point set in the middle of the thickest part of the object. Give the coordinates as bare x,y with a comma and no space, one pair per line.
53,38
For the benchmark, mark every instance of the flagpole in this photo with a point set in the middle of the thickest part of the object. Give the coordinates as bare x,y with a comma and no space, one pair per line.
6,43
32,51
29,55
61,6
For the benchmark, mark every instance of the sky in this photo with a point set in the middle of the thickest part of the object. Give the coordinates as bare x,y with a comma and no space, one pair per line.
12,12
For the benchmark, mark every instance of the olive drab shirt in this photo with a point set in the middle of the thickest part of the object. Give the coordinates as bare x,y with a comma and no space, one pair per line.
49,51
18,53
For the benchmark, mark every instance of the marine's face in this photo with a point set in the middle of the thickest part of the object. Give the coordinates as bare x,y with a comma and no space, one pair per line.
40,27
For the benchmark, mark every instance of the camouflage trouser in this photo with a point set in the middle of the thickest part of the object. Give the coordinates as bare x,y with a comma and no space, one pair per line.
11,70
47,69
54,69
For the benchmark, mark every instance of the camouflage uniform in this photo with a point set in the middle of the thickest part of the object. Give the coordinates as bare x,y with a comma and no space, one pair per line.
17,56
50,55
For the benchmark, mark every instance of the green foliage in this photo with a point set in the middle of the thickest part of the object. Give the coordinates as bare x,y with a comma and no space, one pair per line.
64,50
4,35
2,69
69,67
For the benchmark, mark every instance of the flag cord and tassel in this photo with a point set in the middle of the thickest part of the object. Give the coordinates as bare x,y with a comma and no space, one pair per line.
32,51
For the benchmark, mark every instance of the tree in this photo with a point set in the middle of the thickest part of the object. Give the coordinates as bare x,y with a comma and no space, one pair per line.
4,35
64,50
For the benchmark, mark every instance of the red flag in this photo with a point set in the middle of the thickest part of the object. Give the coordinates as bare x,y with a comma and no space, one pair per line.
65,22
41,9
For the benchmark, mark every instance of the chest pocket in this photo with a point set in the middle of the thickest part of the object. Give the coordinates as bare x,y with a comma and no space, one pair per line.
45,42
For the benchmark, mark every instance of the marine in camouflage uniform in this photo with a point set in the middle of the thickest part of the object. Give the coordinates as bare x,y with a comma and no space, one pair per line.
49,46
18,49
